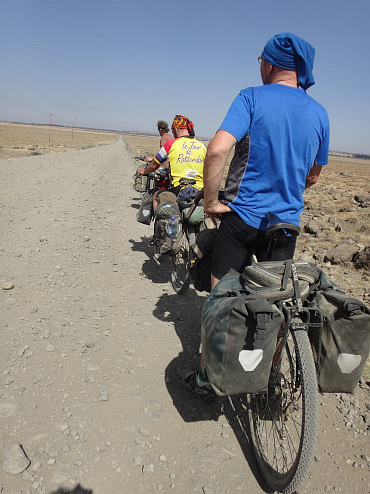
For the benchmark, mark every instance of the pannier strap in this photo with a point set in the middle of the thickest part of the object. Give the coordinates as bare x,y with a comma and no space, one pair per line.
287,273
234,293
262,319
291,271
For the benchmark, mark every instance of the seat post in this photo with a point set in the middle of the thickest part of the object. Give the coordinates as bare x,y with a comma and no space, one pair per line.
272,245
277,231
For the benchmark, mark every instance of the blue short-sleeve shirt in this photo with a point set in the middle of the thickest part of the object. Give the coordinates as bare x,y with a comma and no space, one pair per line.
281,133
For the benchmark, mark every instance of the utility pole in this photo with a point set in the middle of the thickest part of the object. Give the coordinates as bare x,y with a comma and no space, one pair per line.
73,124
50,115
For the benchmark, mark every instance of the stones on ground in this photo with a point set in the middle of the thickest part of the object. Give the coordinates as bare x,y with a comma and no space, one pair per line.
341,253
207,490
148,468
361,259
15,459
7,285
312,227
104,395
73,312
363,200
354,417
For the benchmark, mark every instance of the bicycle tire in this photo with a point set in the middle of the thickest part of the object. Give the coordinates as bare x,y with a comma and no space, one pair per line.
180,276
274,293
156,243
283,421
268,274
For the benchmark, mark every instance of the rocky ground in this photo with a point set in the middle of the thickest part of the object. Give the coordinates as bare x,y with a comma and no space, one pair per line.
94,340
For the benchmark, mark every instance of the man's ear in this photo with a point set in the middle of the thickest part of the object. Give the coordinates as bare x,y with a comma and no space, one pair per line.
270,67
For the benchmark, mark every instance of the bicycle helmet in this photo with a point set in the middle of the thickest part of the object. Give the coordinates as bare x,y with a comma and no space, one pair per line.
186,197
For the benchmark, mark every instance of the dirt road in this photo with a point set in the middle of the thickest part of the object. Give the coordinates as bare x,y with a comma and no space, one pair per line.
94,342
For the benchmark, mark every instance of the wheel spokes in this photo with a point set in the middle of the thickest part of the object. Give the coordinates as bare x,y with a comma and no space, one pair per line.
278,417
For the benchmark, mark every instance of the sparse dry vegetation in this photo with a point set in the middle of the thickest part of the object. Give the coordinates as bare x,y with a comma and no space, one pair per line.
17,140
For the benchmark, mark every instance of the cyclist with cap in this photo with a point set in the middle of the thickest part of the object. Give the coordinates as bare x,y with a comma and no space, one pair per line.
281,139
185,154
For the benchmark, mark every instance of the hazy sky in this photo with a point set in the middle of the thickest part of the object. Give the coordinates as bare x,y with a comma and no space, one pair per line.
124,64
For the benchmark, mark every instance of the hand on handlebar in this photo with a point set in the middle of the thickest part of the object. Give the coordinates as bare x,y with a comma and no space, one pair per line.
216,210
141,170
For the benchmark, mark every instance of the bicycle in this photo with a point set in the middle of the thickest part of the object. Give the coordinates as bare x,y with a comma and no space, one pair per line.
283,417
281,407
192,223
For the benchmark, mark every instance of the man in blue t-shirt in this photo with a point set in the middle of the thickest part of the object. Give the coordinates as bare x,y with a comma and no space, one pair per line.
281,139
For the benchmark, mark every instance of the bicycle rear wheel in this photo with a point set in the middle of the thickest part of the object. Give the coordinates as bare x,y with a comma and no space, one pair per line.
180,276
283,421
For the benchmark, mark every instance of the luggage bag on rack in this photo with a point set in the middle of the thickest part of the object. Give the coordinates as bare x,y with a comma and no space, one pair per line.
200,269
239,332
166,209
341,354
140,182
145,212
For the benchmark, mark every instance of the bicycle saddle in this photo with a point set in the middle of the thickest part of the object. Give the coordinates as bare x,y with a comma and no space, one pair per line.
275,225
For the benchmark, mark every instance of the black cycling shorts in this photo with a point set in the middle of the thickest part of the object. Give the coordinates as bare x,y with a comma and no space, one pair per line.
236,242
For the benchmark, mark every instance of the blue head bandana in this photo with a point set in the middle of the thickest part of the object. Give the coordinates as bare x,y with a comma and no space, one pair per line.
288,51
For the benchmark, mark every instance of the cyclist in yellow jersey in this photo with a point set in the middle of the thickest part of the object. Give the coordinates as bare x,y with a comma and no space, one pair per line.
185,154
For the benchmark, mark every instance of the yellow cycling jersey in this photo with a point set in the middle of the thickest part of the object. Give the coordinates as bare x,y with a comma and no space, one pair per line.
186,156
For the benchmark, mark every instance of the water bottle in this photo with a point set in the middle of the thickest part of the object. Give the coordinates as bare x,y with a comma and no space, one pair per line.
172,227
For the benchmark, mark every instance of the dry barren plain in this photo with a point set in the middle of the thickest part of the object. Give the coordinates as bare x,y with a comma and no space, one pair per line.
18,140
94,340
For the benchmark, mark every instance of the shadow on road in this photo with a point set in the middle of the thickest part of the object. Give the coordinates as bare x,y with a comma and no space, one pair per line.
154,271
76,490
185,313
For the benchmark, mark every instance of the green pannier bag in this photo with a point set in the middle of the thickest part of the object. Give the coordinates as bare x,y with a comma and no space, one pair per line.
166,209
140,182
239,334
341,354
197,216
200,268
168,246
145,213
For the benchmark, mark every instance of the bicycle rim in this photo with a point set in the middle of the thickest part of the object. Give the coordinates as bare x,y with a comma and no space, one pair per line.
180,277
283,421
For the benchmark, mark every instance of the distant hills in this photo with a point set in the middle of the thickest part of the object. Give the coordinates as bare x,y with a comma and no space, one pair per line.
350,155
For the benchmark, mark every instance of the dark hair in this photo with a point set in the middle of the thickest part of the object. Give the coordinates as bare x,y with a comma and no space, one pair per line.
162,125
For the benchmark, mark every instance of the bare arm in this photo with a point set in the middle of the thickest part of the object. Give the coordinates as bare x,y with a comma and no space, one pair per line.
214,164
313,176
152,167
